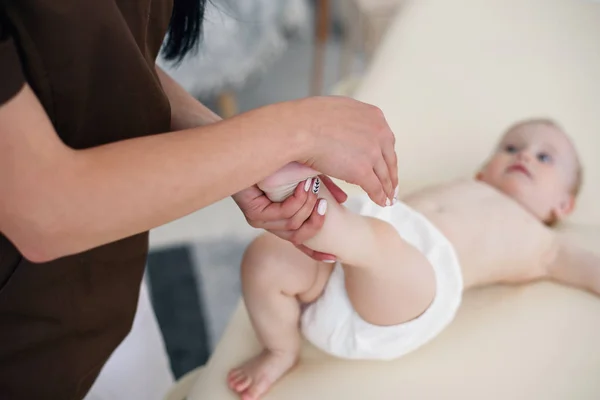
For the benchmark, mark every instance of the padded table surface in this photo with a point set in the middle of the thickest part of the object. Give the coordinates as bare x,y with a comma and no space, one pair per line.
450,76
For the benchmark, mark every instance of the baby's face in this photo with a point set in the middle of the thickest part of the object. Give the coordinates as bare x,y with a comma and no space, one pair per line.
536,164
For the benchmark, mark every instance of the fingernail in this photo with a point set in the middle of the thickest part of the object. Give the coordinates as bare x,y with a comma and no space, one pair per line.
388,202
307,184
329,261
395,199
316,186
322,207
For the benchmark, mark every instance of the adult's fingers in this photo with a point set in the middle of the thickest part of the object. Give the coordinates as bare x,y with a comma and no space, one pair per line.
295,222
313,224
247,197
310,228
391,160
383,174
260,209
304,213
388,150
338,194
371,184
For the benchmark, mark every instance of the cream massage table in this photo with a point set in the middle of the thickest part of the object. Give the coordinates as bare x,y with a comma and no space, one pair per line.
450,76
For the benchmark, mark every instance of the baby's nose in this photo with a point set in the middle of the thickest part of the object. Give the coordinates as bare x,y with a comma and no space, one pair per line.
524,155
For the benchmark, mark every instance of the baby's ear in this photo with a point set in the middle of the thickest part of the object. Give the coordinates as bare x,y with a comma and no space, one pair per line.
565,207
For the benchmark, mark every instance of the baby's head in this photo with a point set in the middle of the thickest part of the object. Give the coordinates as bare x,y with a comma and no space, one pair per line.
537,165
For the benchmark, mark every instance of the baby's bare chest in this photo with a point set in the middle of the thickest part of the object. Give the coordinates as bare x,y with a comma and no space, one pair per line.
495,238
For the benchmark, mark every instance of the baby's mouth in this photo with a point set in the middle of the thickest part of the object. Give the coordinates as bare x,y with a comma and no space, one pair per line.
519,168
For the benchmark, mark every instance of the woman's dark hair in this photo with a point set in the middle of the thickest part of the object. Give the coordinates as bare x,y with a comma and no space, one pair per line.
4,26
185,29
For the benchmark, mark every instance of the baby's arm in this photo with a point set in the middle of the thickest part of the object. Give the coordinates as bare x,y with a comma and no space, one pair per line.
576,266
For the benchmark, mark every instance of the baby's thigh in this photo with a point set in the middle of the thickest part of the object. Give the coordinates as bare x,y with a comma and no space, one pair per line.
271,262
399,285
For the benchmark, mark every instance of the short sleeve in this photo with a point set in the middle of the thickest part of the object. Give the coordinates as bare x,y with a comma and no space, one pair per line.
12,78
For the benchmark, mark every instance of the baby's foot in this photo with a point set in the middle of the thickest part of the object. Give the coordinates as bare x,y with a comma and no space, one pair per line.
281,185
256,376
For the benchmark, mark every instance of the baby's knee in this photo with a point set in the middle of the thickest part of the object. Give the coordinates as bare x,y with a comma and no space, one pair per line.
265,260
257,255
271,263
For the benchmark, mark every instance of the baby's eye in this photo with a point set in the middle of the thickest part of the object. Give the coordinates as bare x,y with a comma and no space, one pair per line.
510,148
544,157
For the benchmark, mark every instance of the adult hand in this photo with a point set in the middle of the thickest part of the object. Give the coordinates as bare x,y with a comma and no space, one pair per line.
296,219
348,140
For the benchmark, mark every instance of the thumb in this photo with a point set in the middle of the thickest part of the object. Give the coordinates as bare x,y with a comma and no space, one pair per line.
339,195
316,255
247,196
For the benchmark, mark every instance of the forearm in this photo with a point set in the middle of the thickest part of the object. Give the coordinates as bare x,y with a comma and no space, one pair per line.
576,266
60,201
186,111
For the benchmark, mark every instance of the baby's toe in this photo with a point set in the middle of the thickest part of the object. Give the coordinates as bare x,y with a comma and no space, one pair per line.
235,377
232,375
242,383
256,390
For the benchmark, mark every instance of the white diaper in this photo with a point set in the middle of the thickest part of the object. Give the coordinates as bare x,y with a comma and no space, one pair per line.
332,325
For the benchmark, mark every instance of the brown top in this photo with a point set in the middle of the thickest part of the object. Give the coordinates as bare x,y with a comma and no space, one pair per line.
91,64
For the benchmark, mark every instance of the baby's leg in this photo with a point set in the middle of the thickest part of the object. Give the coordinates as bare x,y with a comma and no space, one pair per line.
276,277
343,232
397,285
388,280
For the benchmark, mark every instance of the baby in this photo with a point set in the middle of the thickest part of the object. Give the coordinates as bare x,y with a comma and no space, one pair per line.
402,269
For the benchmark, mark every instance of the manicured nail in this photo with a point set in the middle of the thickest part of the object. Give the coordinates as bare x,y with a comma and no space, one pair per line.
316,186
307,184
395,199
322,207
329,261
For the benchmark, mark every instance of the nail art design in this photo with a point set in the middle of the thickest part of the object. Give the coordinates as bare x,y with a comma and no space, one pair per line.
316,185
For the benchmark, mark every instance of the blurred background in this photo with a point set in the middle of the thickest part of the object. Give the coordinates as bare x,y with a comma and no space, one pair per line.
253,53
